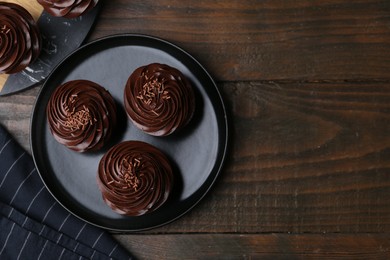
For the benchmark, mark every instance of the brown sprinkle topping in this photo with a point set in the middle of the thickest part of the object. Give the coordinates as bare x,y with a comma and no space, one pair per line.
5,29
153,92
76,120
79,119
129,172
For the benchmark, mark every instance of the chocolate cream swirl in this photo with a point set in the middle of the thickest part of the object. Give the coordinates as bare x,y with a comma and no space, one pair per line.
20,40
159,99
81,115
67,8
135,178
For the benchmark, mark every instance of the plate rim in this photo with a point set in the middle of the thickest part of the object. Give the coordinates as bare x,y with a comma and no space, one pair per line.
225,140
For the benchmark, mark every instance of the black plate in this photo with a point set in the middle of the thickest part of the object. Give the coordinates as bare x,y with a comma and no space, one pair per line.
197,152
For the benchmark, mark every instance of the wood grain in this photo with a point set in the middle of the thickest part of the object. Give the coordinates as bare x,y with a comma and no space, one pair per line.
265,40
268,246
35,9
15,114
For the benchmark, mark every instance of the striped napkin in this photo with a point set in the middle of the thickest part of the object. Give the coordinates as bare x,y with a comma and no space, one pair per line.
33,225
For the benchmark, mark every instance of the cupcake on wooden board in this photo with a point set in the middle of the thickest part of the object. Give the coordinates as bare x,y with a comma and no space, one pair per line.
159,99
20,40
69,8
81,115
135,178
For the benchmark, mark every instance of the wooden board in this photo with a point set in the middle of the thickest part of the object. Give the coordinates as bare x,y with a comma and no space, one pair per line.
266,40
35,9
258,246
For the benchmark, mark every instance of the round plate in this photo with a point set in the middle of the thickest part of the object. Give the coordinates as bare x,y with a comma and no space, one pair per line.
197,152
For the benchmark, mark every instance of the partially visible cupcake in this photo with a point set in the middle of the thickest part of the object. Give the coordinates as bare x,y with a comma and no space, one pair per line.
159,99
67,9
81,115
20,40
135,178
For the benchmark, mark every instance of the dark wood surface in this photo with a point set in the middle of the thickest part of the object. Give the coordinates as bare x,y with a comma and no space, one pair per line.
307,89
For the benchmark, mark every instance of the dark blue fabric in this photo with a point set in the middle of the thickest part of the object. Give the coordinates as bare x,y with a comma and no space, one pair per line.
33,225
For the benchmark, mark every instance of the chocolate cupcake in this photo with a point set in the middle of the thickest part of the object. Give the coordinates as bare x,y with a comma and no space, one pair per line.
159,99
81,115
20,40
135,178
67,9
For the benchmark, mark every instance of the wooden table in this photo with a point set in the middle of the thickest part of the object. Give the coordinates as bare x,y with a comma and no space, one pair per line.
307,88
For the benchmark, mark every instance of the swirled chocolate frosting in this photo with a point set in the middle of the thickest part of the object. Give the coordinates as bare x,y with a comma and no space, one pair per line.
159,99
20,40
67,8
135,178
81,115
